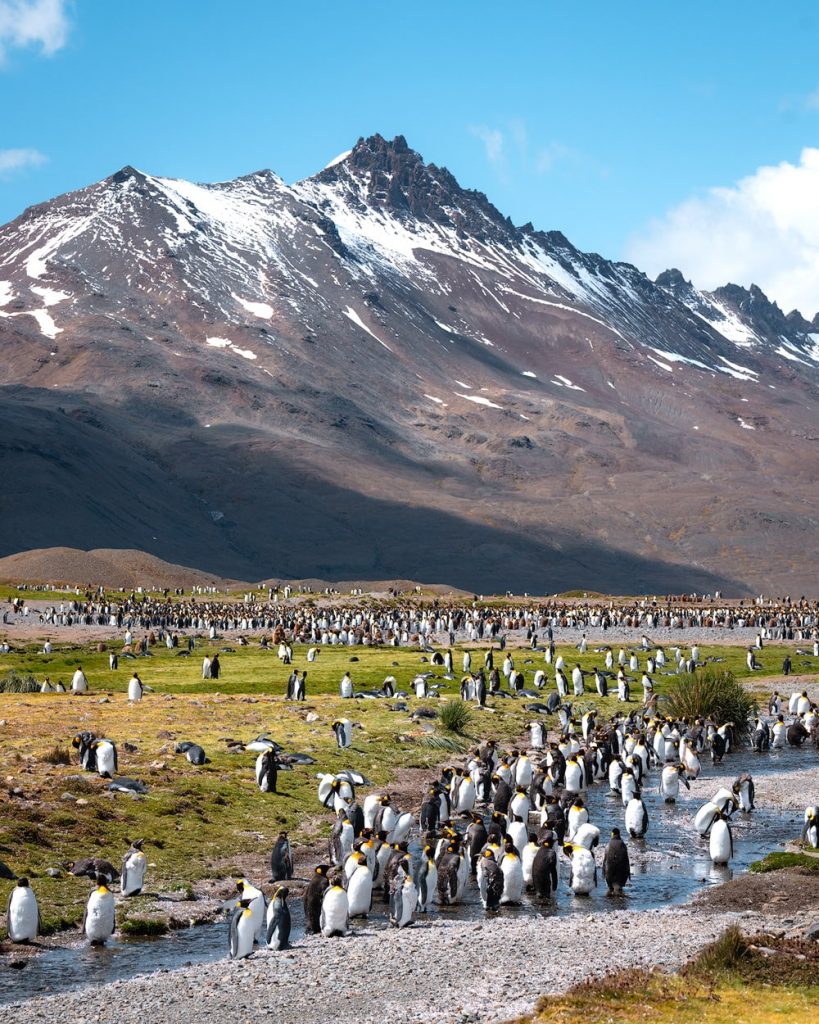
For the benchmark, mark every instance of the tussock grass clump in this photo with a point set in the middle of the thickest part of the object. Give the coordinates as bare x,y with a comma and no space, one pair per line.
147,927
18,682
455,716
445,743
57,755
778,861
725,955
711,693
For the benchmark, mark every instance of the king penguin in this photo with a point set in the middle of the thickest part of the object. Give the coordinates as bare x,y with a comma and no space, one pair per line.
23,915
278,920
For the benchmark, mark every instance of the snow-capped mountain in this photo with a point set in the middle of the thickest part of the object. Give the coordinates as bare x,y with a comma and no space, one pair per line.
373,373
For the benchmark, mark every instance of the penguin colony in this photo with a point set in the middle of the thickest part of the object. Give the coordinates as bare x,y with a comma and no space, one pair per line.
504,822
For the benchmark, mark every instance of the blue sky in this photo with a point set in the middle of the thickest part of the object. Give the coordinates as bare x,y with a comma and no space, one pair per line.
606,121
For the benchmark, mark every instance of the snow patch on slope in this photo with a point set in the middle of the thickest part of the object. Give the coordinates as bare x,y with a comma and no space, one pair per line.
351,314
259,309
245,353
479,400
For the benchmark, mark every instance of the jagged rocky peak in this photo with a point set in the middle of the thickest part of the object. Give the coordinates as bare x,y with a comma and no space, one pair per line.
754,303
396,178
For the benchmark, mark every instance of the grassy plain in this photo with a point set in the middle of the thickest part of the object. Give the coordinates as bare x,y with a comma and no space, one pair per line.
199,823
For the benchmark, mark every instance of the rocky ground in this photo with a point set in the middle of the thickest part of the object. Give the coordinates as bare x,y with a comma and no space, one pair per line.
437,972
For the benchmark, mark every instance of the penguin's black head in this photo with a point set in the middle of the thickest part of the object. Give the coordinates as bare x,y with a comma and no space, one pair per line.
322,869
281,893
615,833
22,883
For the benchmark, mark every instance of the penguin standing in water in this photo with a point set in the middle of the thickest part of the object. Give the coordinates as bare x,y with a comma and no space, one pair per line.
99,919
616,865
313,896
241,931
744,790
335,917
23,913
583,877
810,832
490,881
721,841
281,860
636,817
672,776
278,920
343,728
544,869
134,865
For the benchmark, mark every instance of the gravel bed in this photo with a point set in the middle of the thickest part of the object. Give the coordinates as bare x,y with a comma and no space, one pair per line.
436,972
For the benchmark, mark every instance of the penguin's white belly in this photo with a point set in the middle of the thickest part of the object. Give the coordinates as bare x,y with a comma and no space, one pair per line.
520,835
99,920
244,938
105,760
583,872
133,874
360,892
527,861
431,884
587,835
409,898
23,916
634,817
719,845
573,778
671,786
334,913
704,817
512,879
134,690
466,796
461,877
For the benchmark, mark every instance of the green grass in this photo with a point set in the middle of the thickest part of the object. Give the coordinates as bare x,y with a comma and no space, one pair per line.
778,861
714,692
199,823
455,716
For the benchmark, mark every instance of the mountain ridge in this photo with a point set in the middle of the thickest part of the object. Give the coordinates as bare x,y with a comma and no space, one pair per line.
269,362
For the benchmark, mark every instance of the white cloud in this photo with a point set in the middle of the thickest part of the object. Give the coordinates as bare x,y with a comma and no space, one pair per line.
12,160
492,139
762,230
42,23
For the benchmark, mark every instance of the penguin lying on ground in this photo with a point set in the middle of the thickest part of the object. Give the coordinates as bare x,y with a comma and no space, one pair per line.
193,752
